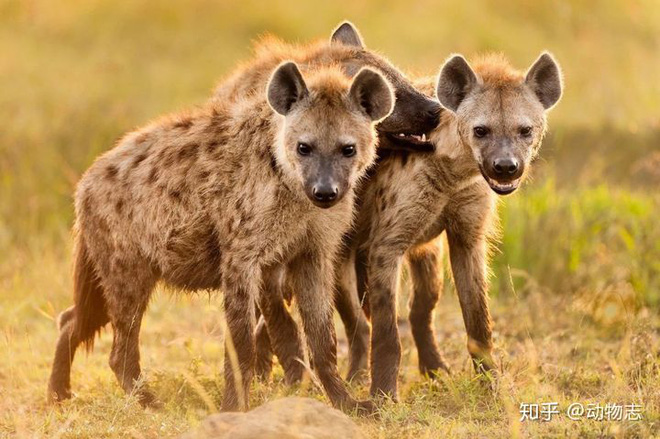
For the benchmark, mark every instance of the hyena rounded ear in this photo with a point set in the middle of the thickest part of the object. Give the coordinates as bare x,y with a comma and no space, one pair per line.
286,87
544,78
455,81
373,93
347,34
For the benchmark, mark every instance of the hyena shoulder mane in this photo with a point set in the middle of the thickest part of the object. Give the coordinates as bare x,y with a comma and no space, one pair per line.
270,49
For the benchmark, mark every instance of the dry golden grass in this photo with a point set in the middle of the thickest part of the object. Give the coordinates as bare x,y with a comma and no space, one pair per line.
551,348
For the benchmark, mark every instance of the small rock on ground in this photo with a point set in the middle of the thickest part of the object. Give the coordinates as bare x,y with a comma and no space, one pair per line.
291,418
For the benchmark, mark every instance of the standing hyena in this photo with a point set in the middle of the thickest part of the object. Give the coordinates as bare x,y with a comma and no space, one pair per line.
413,117
484,144
218,199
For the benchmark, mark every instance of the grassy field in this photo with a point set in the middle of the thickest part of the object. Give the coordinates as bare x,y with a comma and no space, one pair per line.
576,277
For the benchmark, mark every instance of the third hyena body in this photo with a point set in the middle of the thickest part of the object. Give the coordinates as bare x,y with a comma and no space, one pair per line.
484,145
219,199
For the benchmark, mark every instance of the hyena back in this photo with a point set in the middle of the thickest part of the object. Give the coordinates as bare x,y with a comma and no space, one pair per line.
414,113
218,199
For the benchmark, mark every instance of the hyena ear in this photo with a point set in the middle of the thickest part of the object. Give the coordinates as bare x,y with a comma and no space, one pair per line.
544,78
347,34
373,93
456,80
286,87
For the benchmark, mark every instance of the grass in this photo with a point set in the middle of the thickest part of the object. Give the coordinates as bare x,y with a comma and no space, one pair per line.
552,347
576,277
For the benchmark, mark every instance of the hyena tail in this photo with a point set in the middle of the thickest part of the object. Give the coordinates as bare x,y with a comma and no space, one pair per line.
90,310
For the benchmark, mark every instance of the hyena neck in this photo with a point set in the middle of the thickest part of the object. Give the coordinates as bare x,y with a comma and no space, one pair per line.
451,151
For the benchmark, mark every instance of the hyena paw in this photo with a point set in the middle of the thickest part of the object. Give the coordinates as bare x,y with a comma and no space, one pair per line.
484,365
359,408
293,373
383,393
435,368
263,369
366,408
148,400
58,393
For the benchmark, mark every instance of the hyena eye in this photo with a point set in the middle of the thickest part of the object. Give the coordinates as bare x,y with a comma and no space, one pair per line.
526,131
481,131
348,150
304,149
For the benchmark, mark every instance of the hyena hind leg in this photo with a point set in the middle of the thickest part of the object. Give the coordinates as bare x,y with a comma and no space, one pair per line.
426,273
59,385
355,322
126,307
264,362
281,328
78,324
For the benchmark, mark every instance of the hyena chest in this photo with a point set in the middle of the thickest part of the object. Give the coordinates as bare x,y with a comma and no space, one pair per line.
433,229
245,231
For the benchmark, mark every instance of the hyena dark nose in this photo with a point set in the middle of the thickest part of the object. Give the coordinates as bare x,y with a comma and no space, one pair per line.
505,166
325,193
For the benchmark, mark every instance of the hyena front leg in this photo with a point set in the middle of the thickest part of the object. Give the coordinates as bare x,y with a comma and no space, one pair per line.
382,276
312,276
392,235
357,328
467,252
241,292
426,274
282,329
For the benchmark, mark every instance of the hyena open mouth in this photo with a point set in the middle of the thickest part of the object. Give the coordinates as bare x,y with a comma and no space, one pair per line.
417,140
501,187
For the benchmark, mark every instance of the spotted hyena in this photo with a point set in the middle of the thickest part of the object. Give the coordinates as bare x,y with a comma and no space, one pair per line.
485,142
219,199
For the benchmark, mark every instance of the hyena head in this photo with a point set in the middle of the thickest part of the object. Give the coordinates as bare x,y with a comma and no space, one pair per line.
501,112
328,138
414,114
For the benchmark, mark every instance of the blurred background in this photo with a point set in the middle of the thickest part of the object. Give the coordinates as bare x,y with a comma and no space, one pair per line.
75,76
576,285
